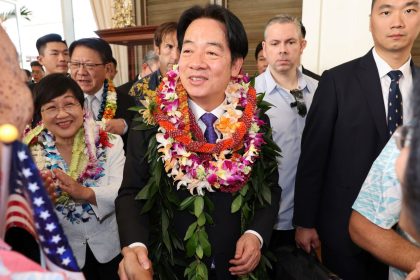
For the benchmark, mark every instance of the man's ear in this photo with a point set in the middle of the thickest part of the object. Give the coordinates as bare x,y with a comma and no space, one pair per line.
156,49
108,67
236,67
303,45
40,58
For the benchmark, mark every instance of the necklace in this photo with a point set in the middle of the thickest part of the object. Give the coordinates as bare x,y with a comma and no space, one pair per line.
87,161
109,102
196,164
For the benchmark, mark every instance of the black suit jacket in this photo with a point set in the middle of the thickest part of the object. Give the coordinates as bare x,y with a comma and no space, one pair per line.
125,88
124,101
226,230
345,131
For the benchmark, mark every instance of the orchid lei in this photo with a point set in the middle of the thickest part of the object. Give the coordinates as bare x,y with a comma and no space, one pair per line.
109,102
86,167
180,151
198,165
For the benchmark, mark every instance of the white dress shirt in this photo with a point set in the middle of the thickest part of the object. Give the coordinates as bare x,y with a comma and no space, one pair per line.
96,106
405,84
287,126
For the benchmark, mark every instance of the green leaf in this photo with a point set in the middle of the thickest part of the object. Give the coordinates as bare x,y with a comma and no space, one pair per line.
186,202
148,205
236,204
190,230
192,243
244,190
209,204
209,219
202,271
199,252
204,242
201,220
266,193
198,206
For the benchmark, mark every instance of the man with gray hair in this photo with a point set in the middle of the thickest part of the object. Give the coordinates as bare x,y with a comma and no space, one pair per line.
291,92
150,64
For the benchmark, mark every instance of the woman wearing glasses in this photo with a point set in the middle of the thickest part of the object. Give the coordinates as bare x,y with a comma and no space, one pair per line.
85,165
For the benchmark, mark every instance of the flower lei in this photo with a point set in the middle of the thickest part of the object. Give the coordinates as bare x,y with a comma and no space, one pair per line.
199,165
86,167
109,102
179,150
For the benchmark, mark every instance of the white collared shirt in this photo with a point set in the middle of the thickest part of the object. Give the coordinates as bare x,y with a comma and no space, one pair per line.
96,105
405,84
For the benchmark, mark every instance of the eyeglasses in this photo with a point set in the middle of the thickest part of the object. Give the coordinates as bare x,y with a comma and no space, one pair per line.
402,136
299,102
52,111
88,66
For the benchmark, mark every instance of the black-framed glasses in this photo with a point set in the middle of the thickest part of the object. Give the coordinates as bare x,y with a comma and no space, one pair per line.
402,136
299,102
88,66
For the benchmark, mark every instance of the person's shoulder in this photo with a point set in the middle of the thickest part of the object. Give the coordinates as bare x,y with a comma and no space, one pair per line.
260,83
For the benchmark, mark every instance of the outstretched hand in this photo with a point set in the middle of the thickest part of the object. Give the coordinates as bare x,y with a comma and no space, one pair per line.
135,264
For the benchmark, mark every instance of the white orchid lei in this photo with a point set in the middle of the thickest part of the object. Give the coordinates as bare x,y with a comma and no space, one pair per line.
197,165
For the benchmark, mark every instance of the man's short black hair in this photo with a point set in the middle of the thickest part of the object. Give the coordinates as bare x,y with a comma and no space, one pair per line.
52,37
257,50
97,44
36,63
235,31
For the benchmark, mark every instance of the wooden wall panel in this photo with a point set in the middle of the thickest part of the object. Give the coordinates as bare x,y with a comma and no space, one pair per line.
254,14
159,11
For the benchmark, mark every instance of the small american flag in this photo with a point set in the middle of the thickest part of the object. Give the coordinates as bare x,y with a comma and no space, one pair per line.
30,208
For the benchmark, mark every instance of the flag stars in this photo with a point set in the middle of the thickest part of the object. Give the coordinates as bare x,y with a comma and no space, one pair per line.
50,227
65,261
38,201
22,155
45,215
47,251
55,239
61,250
33,187
26,172
41,238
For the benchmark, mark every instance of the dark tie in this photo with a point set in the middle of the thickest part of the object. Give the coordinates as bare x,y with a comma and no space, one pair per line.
395,108
210,134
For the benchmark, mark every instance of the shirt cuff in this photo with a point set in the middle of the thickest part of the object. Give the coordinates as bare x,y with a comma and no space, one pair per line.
125,128
257,235
136,244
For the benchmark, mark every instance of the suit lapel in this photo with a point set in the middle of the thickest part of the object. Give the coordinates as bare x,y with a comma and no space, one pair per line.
371,86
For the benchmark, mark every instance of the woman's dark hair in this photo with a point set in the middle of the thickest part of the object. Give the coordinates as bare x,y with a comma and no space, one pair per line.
411,188
53,86
235,31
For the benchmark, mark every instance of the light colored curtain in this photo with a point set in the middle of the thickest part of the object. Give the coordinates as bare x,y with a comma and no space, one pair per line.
102,10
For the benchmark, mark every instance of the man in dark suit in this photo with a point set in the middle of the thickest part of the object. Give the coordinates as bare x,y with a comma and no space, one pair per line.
90,60
213,46
356,108
150,64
